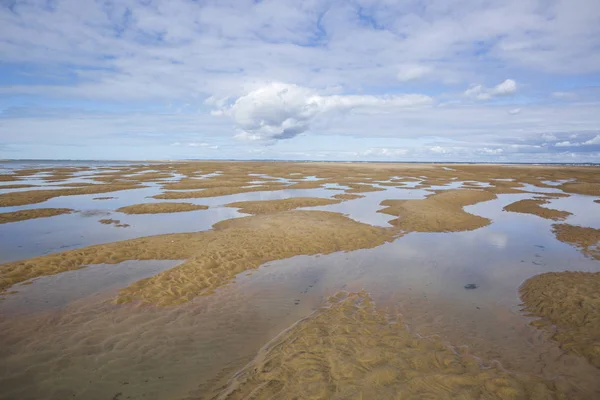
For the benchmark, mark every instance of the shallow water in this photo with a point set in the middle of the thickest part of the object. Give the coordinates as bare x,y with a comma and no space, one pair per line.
62,337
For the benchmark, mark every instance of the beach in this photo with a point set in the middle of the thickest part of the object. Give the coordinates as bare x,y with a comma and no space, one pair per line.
226,280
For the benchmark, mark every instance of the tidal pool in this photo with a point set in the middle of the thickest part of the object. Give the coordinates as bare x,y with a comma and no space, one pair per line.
62,336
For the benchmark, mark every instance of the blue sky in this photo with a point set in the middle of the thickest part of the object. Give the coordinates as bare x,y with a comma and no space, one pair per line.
434,80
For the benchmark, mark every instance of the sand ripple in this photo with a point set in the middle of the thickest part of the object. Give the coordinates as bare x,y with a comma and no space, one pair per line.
348,349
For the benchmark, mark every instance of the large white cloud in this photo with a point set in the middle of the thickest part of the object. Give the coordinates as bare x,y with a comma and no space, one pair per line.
282,111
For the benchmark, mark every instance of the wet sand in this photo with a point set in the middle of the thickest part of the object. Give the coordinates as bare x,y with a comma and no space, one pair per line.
273,206
348,347
440,212
158,208
585,239
38,196
348,196
31,214
568,304
213,257
534,206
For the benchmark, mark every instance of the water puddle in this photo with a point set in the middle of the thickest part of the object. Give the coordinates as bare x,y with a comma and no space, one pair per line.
93,282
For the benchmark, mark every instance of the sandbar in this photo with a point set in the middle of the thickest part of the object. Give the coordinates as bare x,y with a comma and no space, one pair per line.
214,257
158,208
568,304
23,215
348,349
587,240
440,212
38,196
272,206
534,206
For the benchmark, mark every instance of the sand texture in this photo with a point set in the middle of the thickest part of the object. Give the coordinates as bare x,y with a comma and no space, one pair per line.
273,206
23,215
38,196
158,208
440,212
585,239
569,306
534,206
362,188
8,178
17,186
350,350
588,188
348,196
215,191
213,257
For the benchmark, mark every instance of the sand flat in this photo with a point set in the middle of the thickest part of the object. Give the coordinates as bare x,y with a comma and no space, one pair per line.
534,206
23,215
213,257
585,239
349,349
39,196
568,304
158,208
440,212
273,206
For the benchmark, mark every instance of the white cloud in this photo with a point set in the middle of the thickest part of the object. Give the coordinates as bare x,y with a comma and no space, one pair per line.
282,111
566,143
594,140
479,92
514,111
409,72
385,152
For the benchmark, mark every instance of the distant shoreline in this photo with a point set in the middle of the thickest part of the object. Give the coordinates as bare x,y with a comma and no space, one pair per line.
26,160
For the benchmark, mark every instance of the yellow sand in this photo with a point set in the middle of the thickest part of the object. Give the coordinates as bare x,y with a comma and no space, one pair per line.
440,212
350,350
588,188
38,196
585,239
348,196
213,257
190,184
362,188
306,185
16,186
214,192
23,215
569,306
158,208
273,206
533,206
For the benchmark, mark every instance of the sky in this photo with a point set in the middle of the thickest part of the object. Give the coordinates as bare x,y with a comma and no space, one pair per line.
388,80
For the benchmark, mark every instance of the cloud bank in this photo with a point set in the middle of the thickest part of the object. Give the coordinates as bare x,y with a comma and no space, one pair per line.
283,111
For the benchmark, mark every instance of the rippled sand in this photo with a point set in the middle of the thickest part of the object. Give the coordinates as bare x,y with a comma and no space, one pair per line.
189,321
568,304
23,215
534,206
440,212
158,208
213,257
272,206
586,239
349,349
